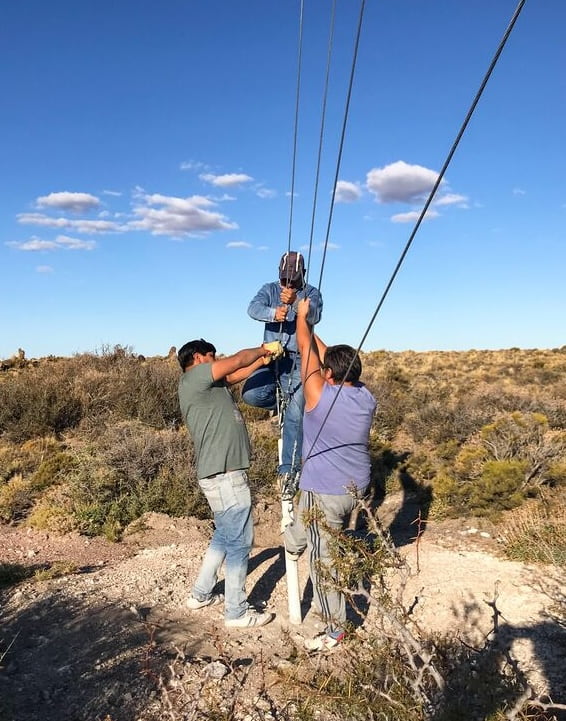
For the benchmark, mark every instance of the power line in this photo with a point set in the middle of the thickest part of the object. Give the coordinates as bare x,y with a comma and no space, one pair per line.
427,204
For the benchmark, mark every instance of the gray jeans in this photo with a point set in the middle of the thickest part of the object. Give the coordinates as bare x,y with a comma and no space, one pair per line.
329,602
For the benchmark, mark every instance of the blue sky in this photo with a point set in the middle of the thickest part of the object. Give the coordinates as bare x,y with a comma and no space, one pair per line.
146,157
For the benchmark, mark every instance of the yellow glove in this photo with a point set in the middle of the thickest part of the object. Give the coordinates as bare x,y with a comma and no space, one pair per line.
276,351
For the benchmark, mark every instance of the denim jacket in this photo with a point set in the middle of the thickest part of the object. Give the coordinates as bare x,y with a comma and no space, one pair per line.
262,307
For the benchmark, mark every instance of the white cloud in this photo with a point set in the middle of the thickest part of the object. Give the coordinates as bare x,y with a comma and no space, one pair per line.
266,193
238,244
80,226
44,269
519,191
159,214
412,216
112,192
347,192
400,182
74,202
75,243
228,180
35,244
169,215
452,199
193,165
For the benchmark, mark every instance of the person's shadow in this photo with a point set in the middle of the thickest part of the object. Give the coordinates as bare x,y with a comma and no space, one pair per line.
480,682
410,519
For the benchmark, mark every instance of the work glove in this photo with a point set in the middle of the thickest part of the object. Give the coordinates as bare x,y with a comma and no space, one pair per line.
276,351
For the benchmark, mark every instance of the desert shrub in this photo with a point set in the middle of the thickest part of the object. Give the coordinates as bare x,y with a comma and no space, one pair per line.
536,532
19,495
525,436
57,396
25,470
38,401
51,512
55,570
508,461
498,488
265,457
16,497
391,407
52,470
132,469
369,683
121,387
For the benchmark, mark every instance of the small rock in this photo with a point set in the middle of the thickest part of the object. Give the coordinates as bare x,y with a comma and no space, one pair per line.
215,669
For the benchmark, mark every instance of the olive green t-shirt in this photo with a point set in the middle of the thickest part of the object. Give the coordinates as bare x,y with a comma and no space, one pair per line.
216,425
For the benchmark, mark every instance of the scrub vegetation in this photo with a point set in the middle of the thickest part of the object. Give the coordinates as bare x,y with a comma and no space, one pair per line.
90,443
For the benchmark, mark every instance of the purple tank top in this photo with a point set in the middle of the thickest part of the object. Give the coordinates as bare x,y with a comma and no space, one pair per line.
339,459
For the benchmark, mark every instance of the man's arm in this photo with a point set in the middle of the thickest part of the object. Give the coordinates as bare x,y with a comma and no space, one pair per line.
236,367
313,382
320,346
261,306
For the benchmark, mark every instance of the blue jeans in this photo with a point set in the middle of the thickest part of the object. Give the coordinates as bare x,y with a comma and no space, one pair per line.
260,391
228,495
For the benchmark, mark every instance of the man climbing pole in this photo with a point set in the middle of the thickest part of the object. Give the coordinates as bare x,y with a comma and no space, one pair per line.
275,304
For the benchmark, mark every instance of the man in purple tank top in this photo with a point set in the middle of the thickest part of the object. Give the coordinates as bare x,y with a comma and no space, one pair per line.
336,465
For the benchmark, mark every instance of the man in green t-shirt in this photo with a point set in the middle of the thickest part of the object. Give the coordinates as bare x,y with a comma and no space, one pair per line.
222,449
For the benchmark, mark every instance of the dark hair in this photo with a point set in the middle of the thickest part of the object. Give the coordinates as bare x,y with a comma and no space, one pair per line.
186,354
338,359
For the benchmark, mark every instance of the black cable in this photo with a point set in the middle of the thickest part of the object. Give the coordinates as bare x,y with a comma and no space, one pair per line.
321,136
296,130
342,136
429,200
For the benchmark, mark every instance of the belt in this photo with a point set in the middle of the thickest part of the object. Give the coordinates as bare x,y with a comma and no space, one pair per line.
221,473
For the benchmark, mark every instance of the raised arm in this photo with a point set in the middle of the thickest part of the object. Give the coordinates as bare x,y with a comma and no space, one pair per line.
312,380
320,346
235,368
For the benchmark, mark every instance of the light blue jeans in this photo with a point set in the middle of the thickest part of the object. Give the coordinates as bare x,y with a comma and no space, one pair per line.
260,391
228,495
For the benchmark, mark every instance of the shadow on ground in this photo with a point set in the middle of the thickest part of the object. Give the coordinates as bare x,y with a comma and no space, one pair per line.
66,660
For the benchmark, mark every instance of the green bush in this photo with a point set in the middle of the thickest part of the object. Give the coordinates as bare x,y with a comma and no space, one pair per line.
52,470
498,488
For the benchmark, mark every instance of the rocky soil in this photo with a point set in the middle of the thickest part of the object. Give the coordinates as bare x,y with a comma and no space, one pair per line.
112,640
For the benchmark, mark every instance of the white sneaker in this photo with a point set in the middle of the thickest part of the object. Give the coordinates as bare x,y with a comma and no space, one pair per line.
250,619
194,604
323,642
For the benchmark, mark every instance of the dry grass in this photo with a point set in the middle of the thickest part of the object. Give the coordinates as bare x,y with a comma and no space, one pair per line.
536,532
